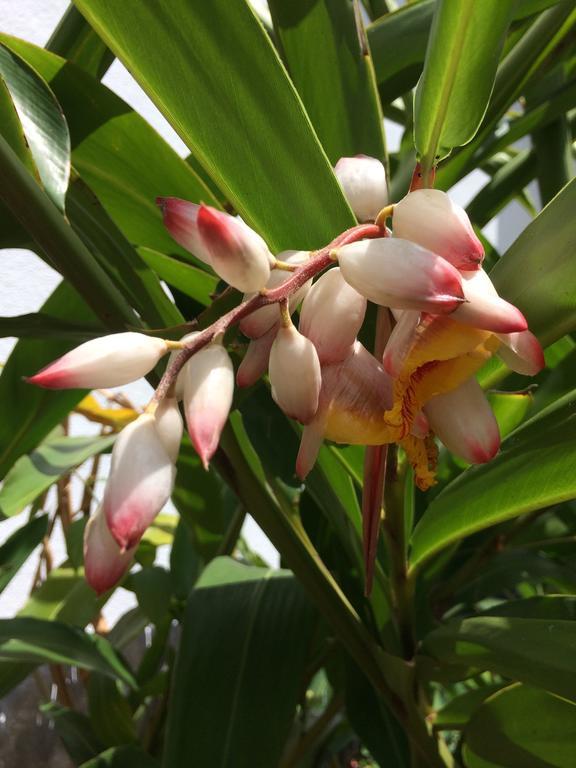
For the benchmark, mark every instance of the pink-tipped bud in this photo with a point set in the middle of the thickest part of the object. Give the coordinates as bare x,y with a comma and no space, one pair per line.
310,444
363,181
400,342
109,361
255,361
464,422
179,383
399,274
208,392
521,352
259,322
104,562
331,316
431,219
140,481
169,426
484,309
181,220
295,375
237,253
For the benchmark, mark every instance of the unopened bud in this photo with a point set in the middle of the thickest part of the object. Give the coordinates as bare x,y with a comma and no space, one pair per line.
169,426
104,562
399,274
140,481
363,181
485,309
255,361
430,218
237,253
521,352
295,375
260,321
181,220
179,383
401,341
234,251
208,392
109,361
331,316
464,422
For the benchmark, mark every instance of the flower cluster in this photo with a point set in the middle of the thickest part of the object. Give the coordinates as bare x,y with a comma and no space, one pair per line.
440,319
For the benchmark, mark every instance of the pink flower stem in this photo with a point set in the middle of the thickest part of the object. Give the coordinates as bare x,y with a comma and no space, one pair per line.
319,261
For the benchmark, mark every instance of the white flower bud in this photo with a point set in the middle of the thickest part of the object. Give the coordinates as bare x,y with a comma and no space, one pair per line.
295,375
169,426
109,361
363,181
140,482
208,392
430,218
104,562
259,322
399,274
331,316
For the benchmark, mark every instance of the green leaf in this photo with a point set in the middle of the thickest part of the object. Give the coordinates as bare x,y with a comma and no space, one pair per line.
75,40
64,596
43,122
463,51
337,87
533,470
510,409
522,727
398,43
33,474
153,588
544,607
30,413
538,272
243,654
125,267
454,715
123,757
39,325
235,81
110,713
203,502
538,652
12,128
117,153
75,730
39,641
58,242
194,282
19,546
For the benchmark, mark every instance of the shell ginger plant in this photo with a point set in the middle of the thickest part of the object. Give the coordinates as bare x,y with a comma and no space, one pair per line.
348,352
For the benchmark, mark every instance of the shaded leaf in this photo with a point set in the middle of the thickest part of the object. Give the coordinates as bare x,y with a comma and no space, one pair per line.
243,653
522,727
234,80
538,652
75,730
122,757
39,641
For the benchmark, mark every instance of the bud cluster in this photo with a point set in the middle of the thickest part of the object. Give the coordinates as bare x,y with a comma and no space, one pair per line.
426,274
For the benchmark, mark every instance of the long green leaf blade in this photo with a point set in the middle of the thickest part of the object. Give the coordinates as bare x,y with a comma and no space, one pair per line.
213,72
461,61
